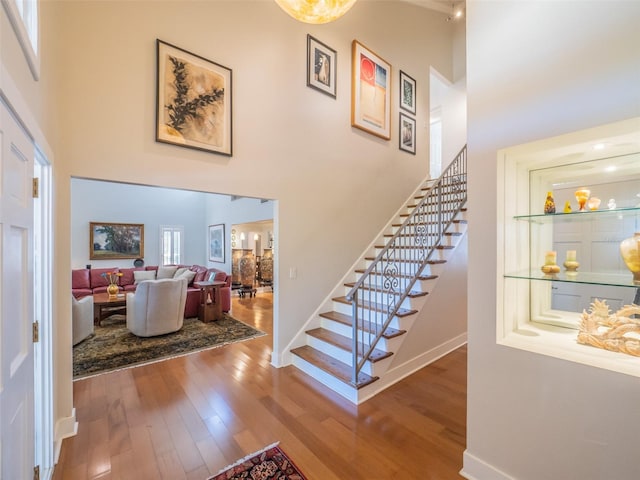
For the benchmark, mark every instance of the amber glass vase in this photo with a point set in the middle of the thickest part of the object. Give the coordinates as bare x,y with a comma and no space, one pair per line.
582,196
630,251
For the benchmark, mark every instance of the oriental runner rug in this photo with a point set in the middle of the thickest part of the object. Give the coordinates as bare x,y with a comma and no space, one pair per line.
113,346
270,463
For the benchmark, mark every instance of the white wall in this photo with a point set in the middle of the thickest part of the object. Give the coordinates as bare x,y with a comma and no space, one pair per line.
222,209
535,70
111,202
335,186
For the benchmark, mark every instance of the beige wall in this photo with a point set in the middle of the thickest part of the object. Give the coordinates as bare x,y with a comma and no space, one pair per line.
336,186
537,70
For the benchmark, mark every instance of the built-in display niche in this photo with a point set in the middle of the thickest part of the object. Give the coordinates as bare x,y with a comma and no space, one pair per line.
562,282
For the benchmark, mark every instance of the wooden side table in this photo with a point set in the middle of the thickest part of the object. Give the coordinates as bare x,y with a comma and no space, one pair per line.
210,304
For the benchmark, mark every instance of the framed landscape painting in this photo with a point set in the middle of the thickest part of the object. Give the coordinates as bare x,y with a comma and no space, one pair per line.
193,105
407,134
109,241
321,66
407,93
370,92
216,243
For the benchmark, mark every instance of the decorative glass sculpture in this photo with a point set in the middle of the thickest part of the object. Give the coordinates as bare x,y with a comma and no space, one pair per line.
630,251
549,204
582,196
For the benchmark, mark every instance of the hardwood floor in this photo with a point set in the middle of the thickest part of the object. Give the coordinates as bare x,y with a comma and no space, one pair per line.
191,416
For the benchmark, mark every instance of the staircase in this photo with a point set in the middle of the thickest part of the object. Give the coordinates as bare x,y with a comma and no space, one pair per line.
350,346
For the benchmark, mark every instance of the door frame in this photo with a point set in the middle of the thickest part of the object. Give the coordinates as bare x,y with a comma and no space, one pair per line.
44,434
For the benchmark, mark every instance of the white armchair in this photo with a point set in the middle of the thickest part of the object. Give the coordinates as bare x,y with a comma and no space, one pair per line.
156,307
81,318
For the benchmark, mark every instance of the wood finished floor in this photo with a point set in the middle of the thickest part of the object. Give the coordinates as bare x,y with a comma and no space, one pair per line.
191,416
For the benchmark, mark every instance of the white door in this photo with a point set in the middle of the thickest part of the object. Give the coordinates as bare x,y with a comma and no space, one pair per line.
16,301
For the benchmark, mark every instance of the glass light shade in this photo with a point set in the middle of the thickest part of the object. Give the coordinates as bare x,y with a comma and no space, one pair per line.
316,11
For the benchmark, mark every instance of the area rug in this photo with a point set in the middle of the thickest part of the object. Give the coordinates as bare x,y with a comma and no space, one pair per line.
113,347
270,463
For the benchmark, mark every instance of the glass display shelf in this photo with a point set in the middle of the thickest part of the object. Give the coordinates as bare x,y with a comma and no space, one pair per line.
578,216
591,278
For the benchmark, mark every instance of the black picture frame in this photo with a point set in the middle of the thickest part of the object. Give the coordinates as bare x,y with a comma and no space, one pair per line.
322,63
407,93
407,134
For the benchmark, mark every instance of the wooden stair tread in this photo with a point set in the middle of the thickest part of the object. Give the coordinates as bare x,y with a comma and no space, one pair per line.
334,367
348,320
420,277
345,343
377,307
412,293
415,247
429,262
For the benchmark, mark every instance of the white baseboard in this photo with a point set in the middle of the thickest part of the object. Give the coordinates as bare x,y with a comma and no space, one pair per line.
475,469
65,427
400,372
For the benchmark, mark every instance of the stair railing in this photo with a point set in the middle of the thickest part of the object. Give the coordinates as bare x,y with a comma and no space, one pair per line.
376,297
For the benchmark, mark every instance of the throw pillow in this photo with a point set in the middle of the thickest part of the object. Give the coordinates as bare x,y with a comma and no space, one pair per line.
180,271
140,275
188,274
166,272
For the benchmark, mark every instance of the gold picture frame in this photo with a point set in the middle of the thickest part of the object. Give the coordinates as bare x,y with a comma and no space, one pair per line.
109,241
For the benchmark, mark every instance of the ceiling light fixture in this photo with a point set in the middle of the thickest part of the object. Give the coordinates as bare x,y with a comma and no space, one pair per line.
316,11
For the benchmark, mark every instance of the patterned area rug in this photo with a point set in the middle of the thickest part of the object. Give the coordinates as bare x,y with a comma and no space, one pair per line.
270,463
113,347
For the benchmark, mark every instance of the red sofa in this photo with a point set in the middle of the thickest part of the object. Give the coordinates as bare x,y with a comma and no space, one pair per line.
89,281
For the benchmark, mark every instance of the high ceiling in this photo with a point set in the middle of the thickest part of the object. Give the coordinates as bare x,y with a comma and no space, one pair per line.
444,6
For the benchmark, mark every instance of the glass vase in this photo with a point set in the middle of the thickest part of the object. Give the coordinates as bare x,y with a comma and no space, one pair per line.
630,251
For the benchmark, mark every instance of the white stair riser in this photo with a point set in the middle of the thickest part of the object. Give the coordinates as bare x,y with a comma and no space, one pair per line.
417,241
386,299
454,227
386,344
341,388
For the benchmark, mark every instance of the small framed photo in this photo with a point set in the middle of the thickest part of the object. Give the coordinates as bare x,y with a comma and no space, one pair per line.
110,241
407,93
321,66
193,104
370,92
216,243
407,134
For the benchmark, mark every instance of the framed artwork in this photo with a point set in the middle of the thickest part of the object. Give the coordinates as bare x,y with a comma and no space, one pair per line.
407,93
407,133
193,104
370,92
321,66
109,241
216,243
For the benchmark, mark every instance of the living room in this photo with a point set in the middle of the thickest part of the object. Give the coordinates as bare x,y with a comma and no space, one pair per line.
106,339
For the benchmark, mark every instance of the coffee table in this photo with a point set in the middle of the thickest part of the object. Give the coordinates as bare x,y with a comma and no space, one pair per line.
104,306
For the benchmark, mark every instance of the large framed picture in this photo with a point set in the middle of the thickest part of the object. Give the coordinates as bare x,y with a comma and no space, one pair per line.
407,93
193,105
407,133
370,92
321,66
216,243
109,241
